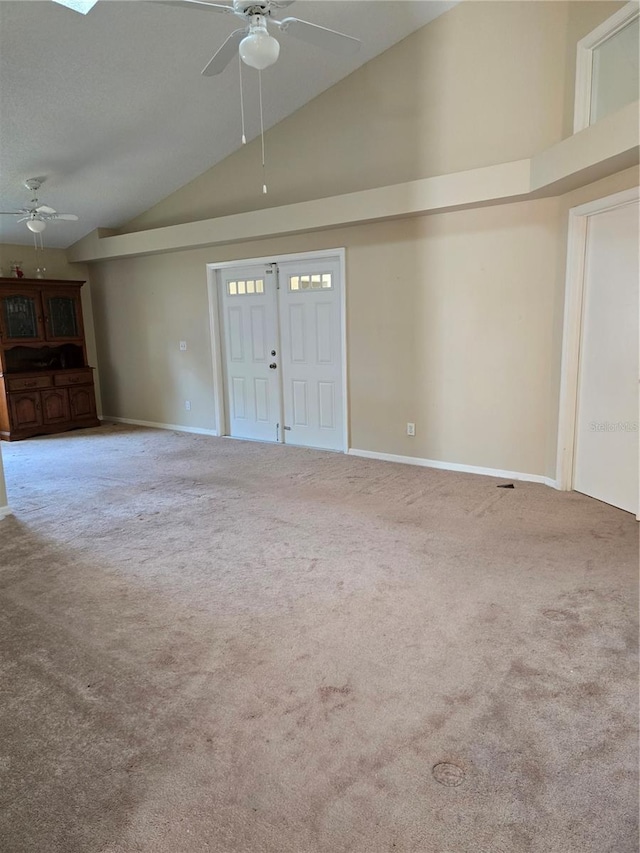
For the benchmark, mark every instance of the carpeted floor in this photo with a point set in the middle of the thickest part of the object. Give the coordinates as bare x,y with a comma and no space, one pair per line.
210,645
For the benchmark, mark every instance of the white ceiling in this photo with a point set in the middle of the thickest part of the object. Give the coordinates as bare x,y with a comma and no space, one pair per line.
112,109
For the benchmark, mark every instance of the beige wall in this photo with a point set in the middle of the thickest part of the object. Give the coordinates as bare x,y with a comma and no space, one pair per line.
454,322
486,83
143,308
56,265
449,324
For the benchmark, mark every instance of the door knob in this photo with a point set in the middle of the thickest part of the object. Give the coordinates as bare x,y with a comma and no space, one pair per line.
273,365
273,352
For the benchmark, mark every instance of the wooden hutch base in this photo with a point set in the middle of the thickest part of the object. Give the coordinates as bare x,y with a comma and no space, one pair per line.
46,385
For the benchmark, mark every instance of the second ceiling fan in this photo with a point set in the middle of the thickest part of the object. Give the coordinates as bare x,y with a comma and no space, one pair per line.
254,43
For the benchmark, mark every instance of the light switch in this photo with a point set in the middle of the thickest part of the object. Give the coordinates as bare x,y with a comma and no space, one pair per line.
183,346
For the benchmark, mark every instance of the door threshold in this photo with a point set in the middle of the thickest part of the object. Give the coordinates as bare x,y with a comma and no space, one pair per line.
284,444
254,440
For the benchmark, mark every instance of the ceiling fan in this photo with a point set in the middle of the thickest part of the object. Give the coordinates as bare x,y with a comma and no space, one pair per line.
256,46
37,215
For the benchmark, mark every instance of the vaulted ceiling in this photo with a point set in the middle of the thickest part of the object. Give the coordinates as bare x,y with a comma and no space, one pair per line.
111,108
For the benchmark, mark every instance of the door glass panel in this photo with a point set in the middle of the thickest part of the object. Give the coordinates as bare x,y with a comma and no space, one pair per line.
315,281
615,80
62,317
20,317
245,287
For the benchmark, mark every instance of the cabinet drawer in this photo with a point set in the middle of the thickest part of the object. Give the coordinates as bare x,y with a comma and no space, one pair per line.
79,377
28,384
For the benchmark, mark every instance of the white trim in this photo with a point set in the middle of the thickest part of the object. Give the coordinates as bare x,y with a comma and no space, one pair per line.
276,259
213,291
5,512
453,466
584,61
572,330
345,372
216,351
610,202
154,425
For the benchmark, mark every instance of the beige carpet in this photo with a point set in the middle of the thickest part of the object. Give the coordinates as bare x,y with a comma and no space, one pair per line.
210,645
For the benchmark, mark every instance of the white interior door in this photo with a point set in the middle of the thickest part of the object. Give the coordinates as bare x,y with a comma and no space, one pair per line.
606,450
310,304
250,336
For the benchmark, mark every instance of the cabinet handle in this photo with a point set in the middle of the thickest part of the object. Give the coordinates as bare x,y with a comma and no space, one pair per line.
30,384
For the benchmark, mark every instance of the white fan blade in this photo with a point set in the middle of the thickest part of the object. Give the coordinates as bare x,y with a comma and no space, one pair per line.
82,6
44,208
11,212
319,36
224,54
197,4
69,217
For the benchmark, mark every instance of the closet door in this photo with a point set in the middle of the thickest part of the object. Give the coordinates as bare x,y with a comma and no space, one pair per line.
606,452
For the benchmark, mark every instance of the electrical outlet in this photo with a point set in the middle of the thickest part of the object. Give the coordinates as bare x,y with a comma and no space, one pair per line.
411,429
187,405
183,346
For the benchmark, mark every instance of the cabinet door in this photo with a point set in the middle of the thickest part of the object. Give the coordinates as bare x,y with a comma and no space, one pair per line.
21,318
25,410
55,406
82,402
63,314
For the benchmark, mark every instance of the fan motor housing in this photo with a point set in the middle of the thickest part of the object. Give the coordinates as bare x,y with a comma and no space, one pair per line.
250,7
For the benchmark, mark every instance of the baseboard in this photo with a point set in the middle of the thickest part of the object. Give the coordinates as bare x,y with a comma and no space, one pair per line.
454,466
5,511
154,425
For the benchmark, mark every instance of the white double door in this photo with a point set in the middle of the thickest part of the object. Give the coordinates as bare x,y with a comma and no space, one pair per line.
283,361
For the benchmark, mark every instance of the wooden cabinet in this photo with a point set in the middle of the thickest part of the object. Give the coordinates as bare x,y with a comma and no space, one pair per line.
45,383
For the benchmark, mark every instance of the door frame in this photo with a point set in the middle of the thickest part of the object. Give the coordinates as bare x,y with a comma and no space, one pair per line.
215,324
577,241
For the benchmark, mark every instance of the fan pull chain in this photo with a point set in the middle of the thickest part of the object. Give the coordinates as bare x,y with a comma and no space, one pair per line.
264,181
244,138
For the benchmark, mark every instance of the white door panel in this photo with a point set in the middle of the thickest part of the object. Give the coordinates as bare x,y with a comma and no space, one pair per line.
606,452
250,334
310,300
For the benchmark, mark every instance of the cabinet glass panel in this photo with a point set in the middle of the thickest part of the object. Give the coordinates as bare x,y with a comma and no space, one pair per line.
20,317
63,322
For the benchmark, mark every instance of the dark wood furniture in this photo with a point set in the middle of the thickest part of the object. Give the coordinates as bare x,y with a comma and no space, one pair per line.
45,383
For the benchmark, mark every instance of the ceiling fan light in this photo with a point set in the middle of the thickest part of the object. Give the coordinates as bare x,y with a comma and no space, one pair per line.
36,225
259,49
